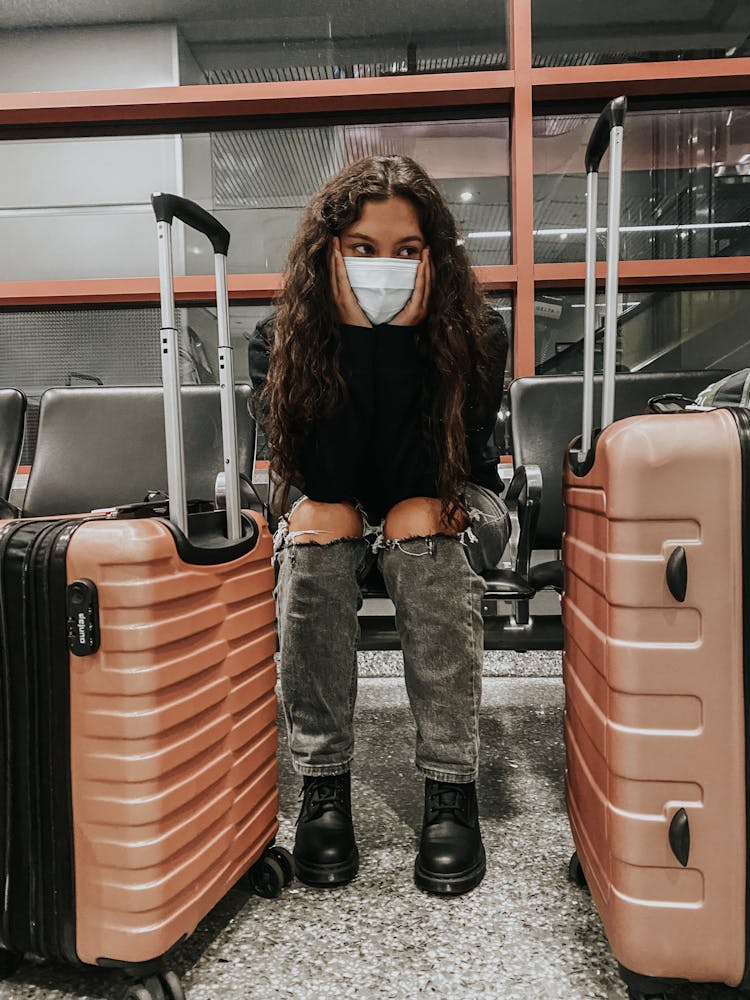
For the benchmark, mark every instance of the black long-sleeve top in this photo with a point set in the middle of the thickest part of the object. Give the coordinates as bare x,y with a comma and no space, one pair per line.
372,449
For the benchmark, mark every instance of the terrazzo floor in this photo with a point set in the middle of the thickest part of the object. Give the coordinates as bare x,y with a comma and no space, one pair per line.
524,933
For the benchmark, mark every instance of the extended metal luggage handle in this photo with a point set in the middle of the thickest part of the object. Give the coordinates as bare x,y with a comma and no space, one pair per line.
167,207
613,116
607,134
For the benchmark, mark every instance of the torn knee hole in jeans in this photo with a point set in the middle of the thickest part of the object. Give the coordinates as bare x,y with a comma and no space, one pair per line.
283,537
477,519
289,542
391,544
291,538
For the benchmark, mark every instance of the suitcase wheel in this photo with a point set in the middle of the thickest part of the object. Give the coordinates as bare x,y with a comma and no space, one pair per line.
266,877
9,962
575,873
166,986
285,860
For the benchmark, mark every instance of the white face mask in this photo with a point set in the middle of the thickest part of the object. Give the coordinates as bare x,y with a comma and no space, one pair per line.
382,285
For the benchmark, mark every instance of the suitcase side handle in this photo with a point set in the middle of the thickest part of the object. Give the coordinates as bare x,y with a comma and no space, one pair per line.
169,206
677,574
613,116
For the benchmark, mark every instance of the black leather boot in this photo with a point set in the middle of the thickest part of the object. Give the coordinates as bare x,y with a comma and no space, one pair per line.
325,852
451,855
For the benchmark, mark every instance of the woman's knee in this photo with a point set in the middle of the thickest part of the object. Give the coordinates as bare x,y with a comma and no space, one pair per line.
325,522
419,516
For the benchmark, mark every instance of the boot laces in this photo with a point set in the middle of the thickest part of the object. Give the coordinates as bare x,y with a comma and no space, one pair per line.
320,796
448,799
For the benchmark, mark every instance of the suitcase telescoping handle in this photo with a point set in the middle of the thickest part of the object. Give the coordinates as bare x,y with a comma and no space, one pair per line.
607,134
167,207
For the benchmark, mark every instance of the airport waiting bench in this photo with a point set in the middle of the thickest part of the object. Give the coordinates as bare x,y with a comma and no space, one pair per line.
104,447
12,416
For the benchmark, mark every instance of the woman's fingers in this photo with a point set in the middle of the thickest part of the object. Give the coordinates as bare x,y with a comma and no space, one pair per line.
420,297
349,310
333,270
347,306
429,273
415,310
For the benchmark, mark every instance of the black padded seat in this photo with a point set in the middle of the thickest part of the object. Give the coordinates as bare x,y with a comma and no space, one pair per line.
506,585
546,417
547,574
103,447
12,413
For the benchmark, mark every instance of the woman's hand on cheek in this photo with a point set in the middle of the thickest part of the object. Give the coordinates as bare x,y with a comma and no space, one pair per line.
348,309
416,309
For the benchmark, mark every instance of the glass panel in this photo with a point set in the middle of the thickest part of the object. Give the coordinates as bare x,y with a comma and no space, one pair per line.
658,330
566,34
56,347
261,180
243,319
80,208
44,348
685,185
504,305
47,46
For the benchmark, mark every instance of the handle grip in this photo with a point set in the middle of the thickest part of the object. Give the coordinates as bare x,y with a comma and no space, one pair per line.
82,377
612,117
677,574
167,206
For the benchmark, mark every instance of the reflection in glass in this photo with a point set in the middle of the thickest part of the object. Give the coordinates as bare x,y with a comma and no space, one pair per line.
78,347
80,208
99,45
261,180
83,347
57,347
243,319
686,185
658,330
581,34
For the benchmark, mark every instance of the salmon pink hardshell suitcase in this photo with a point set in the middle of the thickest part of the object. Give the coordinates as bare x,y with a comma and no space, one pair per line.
139,709
655,554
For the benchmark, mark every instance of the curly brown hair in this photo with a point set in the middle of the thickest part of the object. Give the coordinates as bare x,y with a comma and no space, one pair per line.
304,380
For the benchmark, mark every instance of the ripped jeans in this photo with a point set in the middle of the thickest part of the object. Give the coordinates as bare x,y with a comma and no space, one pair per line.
437,591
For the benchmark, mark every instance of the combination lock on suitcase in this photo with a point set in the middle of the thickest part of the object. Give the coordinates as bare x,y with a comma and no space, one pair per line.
138,705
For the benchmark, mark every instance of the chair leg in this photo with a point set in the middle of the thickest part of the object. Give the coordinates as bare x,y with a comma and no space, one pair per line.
521,613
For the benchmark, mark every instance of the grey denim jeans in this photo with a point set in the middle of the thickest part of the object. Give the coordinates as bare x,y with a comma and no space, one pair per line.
437,591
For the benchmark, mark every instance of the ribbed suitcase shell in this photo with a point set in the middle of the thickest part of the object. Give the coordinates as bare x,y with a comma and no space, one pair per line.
173,770
655,702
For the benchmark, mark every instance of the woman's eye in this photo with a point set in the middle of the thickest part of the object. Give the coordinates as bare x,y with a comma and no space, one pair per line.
363,248
408,252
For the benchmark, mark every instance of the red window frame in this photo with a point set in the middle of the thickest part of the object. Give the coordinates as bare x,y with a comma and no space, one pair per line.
173,109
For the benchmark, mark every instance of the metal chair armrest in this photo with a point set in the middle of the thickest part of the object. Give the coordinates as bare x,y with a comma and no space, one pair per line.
525,494
249,497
